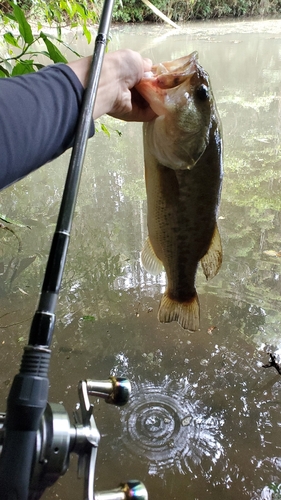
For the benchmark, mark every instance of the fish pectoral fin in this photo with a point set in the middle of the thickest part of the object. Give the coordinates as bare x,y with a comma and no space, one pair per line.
211,262
187,313
149,259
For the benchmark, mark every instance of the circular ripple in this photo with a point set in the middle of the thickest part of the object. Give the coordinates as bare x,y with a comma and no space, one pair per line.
163,425
154,425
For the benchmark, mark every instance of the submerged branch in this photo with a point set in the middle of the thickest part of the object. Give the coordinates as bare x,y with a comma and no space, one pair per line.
273,363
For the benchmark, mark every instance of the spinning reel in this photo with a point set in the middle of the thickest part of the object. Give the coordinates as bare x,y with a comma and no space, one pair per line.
56,439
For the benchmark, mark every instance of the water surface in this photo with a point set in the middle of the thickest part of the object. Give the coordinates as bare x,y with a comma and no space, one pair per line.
204,419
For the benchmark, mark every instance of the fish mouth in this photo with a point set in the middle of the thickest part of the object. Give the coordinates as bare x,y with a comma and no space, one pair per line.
180,65
172,78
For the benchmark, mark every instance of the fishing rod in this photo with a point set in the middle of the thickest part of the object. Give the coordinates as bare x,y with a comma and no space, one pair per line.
36,436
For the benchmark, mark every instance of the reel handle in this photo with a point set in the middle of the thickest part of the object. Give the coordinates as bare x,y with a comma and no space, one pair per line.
132,490
115,390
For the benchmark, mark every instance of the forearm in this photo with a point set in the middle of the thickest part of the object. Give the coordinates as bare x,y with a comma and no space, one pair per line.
38,117
39,111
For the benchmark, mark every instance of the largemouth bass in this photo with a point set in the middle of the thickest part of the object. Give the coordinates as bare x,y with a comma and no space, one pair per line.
183,174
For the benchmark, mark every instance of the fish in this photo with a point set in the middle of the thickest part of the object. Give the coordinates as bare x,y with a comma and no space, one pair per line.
183,157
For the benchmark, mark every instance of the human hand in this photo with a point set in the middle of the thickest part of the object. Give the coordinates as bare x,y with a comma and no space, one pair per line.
117,95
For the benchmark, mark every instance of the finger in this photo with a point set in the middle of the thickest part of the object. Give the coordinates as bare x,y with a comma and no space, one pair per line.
140,109
140,106
147,64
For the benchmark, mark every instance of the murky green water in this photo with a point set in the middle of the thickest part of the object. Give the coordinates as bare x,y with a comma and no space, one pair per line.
204,418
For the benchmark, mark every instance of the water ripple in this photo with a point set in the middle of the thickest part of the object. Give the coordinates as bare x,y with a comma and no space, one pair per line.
167,427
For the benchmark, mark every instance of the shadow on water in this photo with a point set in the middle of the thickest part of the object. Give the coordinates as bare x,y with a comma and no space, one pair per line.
203,421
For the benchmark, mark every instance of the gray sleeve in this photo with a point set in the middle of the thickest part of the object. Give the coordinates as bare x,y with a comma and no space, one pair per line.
38,117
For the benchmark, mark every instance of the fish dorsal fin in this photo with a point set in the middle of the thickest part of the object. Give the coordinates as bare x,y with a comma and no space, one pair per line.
185,313
212,260
149,259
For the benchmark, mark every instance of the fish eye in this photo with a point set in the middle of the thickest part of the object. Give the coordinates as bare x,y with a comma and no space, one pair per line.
202,92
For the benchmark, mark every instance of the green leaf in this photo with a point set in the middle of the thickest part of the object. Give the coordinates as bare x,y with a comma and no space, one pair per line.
69,7
105,129
10,16
53,52
4,218
22,68
38,65
3,72
24,26
66,45
87,33
81,11
89,318
9,38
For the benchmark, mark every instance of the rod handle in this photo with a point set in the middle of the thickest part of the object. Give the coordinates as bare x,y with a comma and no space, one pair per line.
16,463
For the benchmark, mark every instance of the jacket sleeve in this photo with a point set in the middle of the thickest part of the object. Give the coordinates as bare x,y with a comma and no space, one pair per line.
38,117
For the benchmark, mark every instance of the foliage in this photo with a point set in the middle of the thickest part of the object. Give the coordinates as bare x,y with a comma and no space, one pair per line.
23,42
183,10
65,12
58,12
85,12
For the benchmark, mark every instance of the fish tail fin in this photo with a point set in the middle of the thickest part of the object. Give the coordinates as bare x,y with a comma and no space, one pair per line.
187,313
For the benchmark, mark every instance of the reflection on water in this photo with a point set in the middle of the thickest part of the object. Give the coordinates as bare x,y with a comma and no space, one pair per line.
203,421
